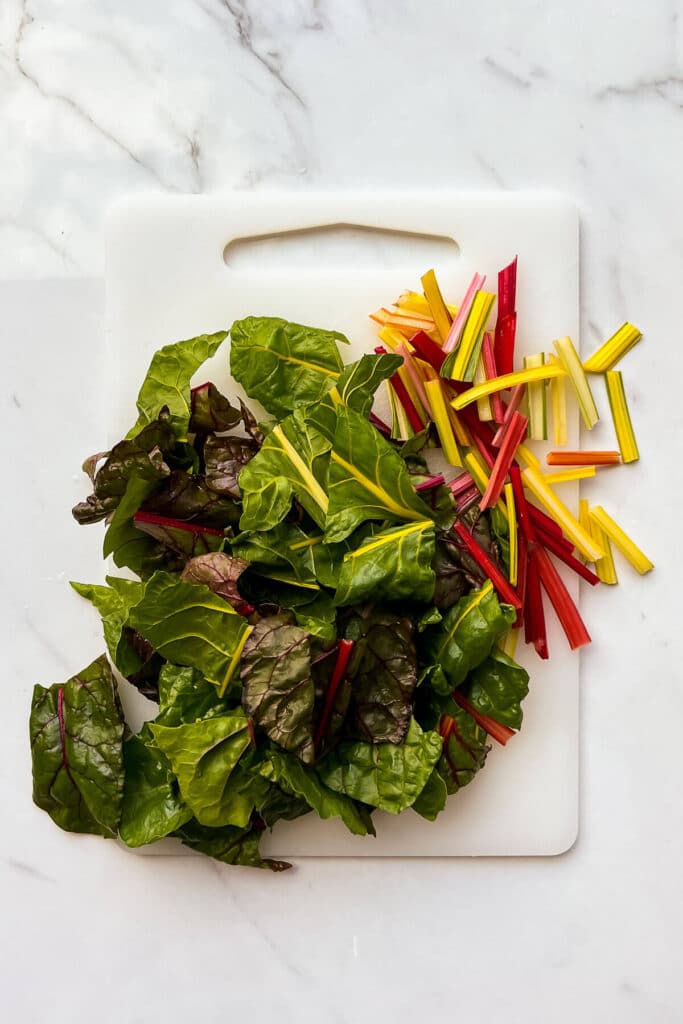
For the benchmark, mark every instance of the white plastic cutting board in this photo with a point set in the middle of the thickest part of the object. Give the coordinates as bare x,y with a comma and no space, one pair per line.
167,280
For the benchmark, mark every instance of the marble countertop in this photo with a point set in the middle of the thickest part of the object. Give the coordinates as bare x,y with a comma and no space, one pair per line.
103,98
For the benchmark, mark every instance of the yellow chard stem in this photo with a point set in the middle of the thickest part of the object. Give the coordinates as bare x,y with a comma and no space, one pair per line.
512,532
614,349
569,359
507,380
435,396
631,552
437,306
620,414
558,511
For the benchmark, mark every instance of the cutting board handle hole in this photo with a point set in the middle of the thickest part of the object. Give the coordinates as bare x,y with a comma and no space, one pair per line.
337,246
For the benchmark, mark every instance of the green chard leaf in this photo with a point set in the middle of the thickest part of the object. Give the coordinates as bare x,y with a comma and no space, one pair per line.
190,625
185,696
298,780
168,381
282,553
394,565
281,364
142,457
292,463
311,608
114,602
383,675
129,546
152,805
356,388
281,806
228,845
466,635
76,732
497,688
366,479
384,775
277,686
432,800
204,757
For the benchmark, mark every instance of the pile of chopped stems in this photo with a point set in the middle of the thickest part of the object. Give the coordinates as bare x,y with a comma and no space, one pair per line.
459,380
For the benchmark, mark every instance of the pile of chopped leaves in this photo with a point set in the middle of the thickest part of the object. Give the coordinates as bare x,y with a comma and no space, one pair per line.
318,622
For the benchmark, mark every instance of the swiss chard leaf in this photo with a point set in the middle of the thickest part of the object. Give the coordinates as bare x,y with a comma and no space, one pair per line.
190,625
359,381
456,571
152,805
432,800
298,780
204,757
384,775
292,463
128,545
367,479
277,687
283,364
228,845
184,540
114,604
185,696
187,498
464,752
281,806
145,679
224,460
356,388
220,573
497,688
312,608
168,381
383,674
394,565
142,457
282,553
211,411
467,635
76,732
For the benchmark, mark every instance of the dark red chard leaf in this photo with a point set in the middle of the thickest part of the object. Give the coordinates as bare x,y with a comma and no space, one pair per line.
333,693
250,425
185,539
221,573
464,748
229,845
141,456
76,732
456,571
383,674
277,685
146,678
188,499
211,411
224,460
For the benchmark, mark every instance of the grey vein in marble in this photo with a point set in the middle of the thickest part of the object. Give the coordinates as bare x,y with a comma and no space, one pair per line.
244,25
668,88
506,74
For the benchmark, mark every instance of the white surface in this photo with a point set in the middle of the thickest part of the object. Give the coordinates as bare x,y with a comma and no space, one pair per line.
103,97
166,280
